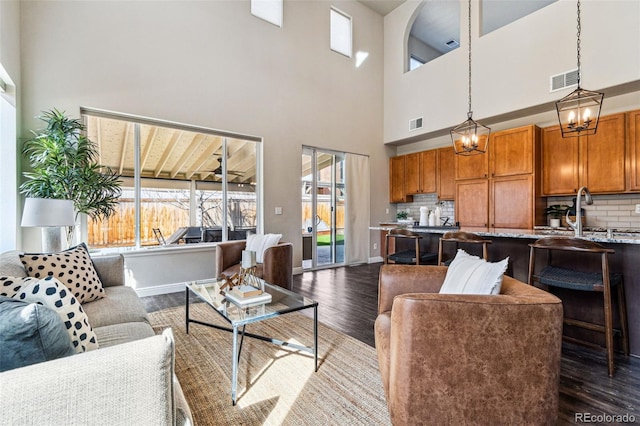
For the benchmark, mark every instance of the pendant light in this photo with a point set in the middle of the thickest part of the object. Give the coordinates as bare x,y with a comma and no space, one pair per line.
579,111
470,137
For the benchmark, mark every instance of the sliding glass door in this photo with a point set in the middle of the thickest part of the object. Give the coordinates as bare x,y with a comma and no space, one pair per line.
322,208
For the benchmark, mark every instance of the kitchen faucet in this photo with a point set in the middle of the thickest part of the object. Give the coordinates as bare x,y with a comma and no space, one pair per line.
577,225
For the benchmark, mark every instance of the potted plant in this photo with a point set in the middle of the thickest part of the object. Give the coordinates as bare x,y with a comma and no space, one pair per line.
556,212
64,165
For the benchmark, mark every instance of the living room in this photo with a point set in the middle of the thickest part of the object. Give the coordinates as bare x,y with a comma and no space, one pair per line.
215,65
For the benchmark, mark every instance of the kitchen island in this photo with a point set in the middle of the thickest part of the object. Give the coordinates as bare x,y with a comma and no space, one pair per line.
514,243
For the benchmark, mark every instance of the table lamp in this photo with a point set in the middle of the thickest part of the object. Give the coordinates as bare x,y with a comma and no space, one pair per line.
49,214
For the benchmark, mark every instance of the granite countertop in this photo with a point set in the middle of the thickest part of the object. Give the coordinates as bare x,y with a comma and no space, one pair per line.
623,236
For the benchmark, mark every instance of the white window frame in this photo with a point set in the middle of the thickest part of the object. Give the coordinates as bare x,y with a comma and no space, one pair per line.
268,10
340,42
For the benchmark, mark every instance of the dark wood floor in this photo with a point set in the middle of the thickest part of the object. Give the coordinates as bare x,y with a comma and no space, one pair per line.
347,302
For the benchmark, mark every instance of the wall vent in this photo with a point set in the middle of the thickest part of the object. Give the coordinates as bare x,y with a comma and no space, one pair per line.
564,80
415,124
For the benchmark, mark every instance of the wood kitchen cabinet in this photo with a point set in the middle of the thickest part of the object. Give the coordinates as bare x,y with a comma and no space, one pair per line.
633,147
397,173
513,202
421,172
472,166
595,161
446,174
512,152
472,201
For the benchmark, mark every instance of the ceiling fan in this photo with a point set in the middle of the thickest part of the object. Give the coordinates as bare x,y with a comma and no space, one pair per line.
218,170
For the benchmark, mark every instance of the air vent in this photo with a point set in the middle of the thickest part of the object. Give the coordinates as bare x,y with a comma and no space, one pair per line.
566,79
415,124
452,44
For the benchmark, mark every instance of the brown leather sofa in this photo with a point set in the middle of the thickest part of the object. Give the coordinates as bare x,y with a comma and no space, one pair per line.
277,267
467,359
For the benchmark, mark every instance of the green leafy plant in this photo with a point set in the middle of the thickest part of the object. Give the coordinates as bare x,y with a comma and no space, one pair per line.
64,165
556,211
402,215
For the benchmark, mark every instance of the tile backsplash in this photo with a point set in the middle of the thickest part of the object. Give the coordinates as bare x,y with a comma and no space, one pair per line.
607,211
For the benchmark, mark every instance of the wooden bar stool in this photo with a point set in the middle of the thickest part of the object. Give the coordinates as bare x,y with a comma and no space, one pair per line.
460,238
603,281
406,257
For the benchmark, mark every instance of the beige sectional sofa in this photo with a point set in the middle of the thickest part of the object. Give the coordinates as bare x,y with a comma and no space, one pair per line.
128,380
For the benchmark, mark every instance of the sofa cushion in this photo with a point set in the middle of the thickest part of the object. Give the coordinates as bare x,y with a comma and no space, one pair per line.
120,305
259,243
72,267
469,274
115,334
52,294
10,286
30,333
10,264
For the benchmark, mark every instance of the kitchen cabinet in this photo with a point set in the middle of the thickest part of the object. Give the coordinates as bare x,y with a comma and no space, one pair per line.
512,201
472,166
508,195
397,171
595,161
446,174
633,146
472,201
511,152
421,172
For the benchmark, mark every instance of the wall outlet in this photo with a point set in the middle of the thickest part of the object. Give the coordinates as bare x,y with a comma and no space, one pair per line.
387,211
278,210
375,246
637,208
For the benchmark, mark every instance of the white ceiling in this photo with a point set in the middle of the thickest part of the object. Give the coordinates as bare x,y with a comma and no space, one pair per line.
382,6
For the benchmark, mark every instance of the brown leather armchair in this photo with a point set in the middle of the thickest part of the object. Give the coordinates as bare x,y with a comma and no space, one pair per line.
467,359
277,267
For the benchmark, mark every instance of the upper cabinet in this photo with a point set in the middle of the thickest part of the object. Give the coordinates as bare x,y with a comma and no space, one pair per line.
446,174
633,145
595,161
472,166
397,171
511,152
421,172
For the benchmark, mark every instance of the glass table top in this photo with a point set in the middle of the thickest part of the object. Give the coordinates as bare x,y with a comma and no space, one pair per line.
282,301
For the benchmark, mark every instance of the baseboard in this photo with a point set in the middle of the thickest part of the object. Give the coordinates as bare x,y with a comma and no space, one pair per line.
160,289
298,270
377,259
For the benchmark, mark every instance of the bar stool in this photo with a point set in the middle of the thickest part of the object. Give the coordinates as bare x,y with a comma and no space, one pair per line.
460,238
603,281
407,257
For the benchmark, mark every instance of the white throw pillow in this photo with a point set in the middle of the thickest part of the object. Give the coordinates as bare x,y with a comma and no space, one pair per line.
259,243
56,296
469,274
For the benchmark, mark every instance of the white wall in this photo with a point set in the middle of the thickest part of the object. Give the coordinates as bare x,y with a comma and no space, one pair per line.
211,63
511,66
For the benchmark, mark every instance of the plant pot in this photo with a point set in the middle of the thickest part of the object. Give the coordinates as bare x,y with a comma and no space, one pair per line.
554,222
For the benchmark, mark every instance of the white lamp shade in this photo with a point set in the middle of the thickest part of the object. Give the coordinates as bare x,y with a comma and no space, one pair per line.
48,212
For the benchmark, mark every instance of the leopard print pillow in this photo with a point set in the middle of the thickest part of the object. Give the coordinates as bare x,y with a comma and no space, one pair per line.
51,293
10,286
72,267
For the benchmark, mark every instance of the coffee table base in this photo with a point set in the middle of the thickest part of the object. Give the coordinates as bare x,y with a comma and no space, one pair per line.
237,349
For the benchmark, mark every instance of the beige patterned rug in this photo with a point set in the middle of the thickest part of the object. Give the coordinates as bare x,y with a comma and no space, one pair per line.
275,385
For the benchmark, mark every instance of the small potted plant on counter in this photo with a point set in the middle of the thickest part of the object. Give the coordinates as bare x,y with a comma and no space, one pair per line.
556,212
403,217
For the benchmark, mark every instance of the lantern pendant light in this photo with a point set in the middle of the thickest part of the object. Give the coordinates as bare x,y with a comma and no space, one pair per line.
579,111
470,137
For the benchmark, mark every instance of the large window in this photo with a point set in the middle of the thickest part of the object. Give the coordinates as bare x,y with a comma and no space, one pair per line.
181,184
9,224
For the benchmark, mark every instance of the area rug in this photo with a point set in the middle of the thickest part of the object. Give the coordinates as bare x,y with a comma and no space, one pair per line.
276,386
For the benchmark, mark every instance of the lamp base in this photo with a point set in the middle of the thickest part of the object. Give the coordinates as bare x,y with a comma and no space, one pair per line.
51,239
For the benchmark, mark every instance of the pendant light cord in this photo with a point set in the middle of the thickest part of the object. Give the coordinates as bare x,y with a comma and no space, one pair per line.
578,43
470,112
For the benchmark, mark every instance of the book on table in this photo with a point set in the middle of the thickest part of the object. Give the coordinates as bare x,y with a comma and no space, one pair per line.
244,295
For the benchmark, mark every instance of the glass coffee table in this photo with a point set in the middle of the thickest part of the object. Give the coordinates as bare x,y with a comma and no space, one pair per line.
238,316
